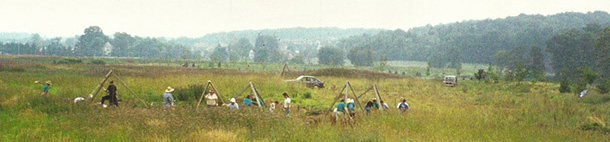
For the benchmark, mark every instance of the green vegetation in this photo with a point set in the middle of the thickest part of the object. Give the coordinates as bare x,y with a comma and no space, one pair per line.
471,111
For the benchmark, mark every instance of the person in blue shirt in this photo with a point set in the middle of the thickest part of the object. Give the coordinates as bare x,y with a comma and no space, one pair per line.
340,111
350,107
45,89
247,101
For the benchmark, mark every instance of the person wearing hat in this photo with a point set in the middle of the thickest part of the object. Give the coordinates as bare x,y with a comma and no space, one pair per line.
168,98
211,99
350,107
112,95
233,105
45,89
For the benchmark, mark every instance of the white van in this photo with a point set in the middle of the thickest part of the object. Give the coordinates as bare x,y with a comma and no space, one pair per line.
450,80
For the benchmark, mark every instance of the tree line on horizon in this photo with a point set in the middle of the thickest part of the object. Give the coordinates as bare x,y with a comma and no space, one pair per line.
509,43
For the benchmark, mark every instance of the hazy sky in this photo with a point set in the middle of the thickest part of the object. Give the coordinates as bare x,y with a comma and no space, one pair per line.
194,18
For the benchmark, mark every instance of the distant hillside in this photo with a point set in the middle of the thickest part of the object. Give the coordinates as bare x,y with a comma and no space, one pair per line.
14,37
286,34
472,41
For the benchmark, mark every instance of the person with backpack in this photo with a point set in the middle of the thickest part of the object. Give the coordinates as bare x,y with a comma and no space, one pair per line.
403,106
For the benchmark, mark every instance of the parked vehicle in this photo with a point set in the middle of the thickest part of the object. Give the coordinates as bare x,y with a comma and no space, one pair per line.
450,80
310,81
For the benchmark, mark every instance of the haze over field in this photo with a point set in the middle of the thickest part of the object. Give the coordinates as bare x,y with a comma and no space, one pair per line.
195,18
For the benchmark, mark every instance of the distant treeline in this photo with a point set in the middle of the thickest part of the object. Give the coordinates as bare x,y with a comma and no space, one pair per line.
558,43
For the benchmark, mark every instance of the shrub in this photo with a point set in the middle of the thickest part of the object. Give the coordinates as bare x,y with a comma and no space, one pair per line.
189,94
603,86
480,74
69,61
307,95
564,86
97,62
509,76
13,69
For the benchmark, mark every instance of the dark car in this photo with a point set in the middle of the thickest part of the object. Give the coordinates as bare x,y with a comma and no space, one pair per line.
310,81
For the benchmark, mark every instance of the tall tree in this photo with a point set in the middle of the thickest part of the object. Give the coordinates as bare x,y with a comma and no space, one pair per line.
92,42
602,48
537,65
267,49
331,56
361,56
121,44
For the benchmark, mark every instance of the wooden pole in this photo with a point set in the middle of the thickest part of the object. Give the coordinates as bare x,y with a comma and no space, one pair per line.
203,93
377,95
97,89
336,98
367,90
258,97
242,91
350,86
133,93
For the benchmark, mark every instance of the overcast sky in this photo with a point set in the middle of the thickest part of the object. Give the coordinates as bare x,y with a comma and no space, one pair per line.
195,18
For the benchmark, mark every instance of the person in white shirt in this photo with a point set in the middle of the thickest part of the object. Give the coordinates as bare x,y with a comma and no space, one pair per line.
403,106
233,105
272,107
286,103
211,99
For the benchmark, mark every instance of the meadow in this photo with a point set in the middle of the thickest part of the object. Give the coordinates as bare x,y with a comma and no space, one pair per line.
471,111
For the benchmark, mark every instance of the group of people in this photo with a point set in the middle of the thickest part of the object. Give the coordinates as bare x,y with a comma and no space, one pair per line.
343,108
212,101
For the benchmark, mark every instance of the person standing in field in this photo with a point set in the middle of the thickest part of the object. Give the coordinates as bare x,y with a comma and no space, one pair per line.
340,111
247,102
233,105
45,89
168,98
403,106
287,103
350,107
112,95
211,99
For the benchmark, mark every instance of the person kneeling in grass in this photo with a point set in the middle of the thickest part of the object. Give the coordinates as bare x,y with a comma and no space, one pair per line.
247,102
112,95
233,105
384,105
272,106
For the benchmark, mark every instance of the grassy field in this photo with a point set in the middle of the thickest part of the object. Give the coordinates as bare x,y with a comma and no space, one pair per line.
471,111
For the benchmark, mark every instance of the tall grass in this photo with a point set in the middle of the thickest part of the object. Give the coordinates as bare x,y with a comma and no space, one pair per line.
471,111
